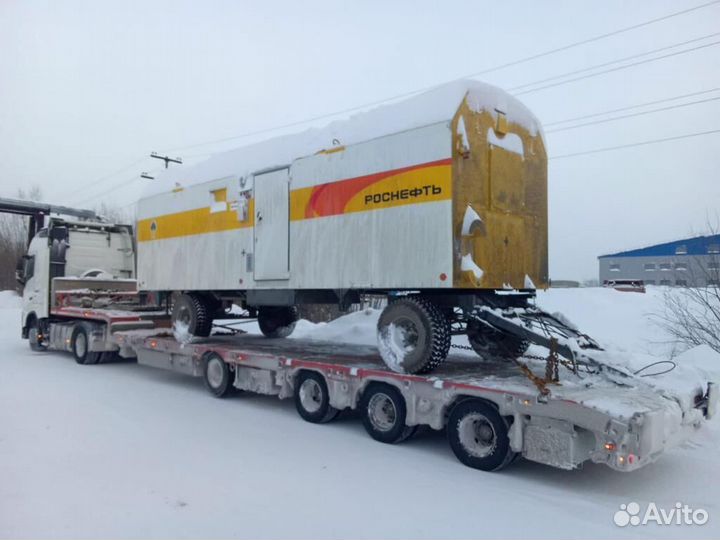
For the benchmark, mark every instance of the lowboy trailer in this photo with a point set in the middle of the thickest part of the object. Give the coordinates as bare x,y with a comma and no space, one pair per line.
492,412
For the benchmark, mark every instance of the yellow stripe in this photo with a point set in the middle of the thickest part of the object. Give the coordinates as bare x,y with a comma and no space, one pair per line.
426,184
192,222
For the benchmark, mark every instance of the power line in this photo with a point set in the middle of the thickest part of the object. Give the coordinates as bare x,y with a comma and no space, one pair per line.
424,89
626,66
626,58
103,178
629,107
115,187
670,107
631,145
593,39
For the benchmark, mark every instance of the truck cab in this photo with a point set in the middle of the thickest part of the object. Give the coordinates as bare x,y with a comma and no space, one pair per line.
87,252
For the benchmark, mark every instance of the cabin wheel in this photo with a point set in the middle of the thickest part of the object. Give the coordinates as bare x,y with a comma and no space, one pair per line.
478,436
191,316
277,321
491,344
413,335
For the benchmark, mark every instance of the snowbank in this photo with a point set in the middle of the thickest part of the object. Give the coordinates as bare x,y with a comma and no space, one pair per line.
10,300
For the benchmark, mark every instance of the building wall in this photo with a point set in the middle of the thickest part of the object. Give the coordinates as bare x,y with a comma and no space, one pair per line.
678,270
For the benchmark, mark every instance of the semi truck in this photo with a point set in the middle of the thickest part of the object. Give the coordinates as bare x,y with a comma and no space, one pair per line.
563,409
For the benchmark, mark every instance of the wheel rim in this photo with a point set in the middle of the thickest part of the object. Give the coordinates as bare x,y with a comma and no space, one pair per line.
80,344
215,372
311,395
382,412
477,435
405,334
183,316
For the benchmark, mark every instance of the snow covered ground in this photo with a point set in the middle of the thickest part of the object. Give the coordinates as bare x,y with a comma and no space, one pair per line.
122,450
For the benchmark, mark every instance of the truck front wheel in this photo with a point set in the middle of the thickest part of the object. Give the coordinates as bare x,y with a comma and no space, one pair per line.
277,321
35,336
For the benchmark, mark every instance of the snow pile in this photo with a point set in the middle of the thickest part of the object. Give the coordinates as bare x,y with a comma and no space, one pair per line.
467,264
437,105
389,344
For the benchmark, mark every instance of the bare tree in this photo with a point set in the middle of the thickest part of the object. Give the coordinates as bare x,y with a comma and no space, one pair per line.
13,237
691,312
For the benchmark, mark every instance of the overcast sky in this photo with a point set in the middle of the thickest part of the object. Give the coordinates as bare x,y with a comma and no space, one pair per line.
89,89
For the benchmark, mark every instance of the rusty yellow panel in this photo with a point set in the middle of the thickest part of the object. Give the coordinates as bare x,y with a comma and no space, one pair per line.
220,195
503,178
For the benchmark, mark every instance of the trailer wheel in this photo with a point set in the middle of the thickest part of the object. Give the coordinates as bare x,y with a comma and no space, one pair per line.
478,436
384,412
491,344
80,345
312,399
413,335
277,321
217,375
35,338
191,315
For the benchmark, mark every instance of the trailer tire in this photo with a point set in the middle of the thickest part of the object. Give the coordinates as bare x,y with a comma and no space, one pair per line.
312,399
425,335
478,436
217,375
34,336
277,321
192,311
384,412
491,344
80,344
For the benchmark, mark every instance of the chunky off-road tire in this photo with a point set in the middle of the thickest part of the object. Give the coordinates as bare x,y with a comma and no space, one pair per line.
35,337
80,344
312,399
193,312
491,344
413,335
277,321
384,413
478,436
217,375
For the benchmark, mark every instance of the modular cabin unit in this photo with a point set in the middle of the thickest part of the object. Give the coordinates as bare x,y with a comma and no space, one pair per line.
443,196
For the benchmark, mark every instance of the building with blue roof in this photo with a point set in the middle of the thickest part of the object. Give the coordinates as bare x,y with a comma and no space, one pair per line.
691,262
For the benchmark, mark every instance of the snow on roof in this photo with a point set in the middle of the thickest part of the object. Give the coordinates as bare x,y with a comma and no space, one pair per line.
437,105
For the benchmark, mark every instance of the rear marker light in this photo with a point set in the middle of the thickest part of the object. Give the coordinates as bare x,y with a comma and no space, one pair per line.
443,276
631,458
610,446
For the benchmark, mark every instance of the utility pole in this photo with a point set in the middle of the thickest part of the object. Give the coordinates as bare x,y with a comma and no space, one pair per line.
146,175
166,159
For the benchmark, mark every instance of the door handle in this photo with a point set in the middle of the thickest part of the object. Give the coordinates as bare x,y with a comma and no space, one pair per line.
259,216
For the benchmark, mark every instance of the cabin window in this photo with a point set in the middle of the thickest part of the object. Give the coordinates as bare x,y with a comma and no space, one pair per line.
649,266
665,282
714,249
218,201
665,266
714,265
681,266
29,269
681,283
649,282
681,250
614,267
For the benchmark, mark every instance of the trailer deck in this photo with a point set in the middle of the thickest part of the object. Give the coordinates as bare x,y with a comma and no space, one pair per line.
625,426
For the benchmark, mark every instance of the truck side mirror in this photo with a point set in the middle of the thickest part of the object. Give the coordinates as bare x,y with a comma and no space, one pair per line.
20,271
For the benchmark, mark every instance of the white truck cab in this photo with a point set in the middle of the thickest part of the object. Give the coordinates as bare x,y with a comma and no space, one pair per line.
90,250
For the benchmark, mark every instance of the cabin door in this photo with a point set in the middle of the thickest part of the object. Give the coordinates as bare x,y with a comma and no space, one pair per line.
272,225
